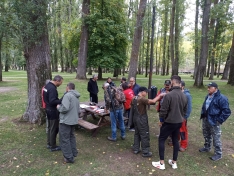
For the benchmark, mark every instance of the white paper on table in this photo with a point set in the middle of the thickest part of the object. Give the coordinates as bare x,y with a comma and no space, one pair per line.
84,106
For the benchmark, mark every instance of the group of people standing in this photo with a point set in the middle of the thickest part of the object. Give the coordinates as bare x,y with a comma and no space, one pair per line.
174,107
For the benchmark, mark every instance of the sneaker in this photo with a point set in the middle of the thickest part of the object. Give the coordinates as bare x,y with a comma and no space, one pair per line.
182,149
216,157
158,165
48,146
123,137
173,165
204,150
57,148
131,129
149,154
136,151
111,139
67,161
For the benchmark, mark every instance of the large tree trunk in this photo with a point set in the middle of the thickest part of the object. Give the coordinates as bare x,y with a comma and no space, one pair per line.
231,73
204,45
227,66
196,40
83,47
38,70
1,36
137,39
172,39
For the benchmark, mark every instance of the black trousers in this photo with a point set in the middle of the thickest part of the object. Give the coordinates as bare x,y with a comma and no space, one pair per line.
166,130
68,141
93,98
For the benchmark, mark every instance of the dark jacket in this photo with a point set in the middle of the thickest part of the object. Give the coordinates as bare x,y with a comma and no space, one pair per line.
92,87
174,106
218,110
189,107
136,89
112,84
50,95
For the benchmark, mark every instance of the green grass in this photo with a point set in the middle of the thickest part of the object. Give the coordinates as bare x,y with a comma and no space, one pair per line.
23,149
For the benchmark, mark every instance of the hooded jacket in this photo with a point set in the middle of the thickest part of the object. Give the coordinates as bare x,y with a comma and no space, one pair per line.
70,108
189,106
92,86
50,96
218,110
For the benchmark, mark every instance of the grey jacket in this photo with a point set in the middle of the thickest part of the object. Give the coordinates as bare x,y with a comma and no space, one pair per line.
70,108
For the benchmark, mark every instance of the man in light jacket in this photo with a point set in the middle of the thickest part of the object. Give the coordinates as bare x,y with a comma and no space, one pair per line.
69,114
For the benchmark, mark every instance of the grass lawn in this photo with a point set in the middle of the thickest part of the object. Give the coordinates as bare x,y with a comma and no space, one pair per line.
23,146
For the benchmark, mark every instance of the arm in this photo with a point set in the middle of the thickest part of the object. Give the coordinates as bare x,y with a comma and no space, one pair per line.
65,106
165,106
53,97
224,109
157,98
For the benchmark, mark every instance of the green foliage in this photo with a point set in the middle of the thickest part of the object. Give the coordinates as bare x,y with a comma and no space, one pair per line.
108,34
31,19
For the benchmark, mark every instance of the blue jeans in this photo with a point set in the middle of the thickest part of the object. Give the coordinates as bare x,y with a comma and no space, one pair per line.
119,117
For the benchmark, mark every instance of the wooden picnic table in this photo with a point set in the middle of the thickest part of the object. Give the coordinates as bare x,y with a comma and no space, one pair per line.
97,114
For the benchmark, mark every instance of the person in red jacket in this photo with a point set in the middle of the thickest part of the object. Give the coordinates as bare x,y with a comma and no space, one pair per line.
129,94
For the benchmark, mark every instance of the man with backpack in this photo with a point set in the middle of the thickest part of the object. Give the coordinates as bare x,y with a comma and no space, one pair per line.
114,99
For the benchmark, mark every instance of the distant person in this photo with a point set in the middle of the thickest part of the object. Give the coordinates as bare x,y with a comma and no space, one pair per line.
129,94
93,89
43,102
183,129
134,86
123,80
215,111
109,80
116,112
69,113
51,99
138,116
173,110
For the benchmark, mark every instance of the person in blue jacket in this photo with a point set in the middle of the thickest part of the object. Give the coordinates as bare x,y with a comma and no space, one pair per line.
215,111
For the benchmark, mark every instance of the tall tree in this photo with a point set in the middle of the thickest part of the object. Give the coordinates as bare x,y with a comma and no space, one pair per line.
137,39
227,66
204,44
231,73
83,49
33,27
174,65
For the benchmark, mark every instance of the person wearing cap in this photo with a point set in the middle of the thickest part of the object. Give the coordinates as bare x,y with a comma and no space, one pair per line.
183,129
138,116
215,111
173,110
93,89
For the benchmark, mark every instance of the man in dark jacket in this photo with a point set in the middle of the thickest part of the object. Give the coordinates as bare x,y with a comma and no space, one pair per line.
50,95
93,89
173,110
183,129
215,111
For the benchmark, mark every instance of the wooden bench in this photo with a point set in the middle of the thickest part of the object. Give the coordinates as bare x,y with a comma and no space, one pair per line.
89,126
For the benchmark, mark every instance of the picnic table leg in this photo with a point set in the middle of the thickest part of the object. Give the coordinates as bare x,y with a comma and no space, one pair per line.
94,132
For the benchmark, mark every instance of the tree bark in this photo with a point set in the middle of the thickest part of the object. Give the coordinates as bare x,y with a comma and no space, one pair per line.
227,67
137,40
204,44
83,47
231,73
172,39
1,36
196,40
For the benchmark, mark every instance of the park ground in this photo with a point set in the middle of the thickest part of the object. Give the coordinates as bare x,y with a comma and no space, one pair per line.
23,146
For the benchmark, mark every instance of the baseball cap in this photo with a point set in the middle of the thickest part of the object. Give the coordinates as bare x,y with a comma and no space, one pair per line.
212,84
141,89
167,82
182,83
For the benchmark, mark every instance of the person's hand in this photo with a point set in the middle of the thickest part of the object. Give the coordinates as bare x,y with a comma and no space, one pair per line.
162,94
58,106
160,124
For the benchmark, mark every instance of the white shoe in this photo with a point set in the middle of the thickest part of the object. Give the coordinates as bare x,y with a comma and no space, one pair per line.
173,165
158,165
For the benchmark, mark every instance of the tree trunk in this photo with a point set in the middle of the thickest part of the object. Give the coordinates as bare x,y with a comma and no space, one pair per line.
1,36
227,66
147,48
99,73
204,45
172,41
83,47
196,40
231,73
137,39
38,70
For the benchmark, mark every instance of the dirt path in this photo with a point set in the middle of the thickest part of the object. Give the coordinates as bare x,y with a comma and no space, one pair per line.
7,89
